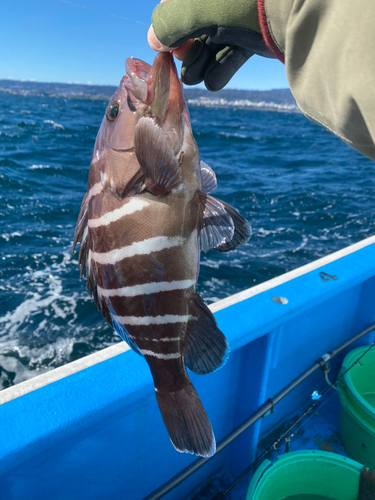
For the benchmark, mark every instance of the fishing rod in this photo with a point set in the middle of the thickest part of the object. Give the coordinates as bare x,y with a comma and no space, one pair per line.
268,406
309,410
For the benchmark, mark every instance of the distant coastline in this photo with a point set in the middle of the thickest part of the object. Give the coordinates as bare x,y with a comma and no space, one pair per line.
276,100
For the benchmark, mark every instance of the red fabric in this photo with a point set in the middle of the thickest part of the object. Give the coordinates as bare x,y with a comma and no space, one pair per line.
266,32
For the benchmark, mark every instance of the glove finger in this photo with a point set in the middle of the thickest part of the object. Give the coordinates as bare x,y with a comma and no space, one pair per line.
242,37
201,54
175,21
226,63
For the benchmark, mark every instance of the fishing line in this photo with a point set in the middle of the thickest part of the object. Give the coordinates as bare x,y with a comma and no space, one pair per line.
103,12
223,494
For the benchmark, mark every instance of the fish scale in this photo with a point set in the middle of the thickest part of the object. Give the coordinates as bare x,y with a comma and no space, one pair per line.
145,218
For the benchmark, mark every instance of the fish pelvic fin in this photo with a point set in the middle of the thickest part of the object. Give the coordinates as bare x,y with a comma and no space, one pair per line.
156,158
216,226
186,421
209,182
222,226
242,229
206,349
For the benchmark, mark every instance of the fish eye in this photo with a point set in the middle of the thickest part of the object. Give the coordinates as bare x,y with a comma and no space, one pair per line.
112,112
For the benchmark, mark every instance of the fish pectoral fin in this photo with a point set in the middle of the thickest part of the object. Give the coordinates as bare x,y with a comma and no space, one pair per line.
209,182
242,230
206,349
216,226
156,158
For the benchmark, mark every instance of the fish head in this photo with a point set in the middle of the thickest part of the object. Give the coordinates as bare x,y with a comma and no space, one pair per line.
154,92
157,92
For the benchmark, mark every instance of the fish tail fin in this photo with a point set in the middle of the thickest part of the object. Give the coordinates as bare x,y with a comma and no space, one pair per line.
186,421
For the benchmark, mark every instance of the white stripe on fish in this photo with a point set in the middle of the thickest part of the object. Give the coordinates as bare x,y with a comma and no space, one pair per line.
161,356
154,320
96,189
139,248
164,339
146,289
134,205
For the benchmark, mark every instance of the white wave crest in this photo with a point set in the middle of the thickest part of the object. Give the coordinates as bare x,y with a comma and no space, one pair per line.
48,299
54,124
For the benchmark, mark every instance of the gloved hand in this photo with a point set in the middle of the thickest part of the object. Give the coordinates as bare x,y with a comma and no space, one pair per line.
227,33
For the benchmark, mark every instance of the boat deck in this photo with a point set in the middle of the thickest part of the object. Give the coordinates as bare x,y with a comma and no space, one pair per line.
318,430
92,429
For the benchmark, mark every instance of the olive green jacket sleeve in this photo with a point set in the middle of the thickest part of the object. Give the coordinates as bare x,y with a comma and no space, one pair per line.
329,51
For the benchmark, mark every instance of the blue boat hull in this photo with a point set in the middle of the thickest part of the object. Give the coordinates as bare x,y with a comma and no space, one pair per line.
92,429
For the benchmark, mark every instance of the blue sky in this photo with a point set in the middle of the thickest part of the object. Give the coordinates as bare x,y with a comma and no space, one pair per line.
59,41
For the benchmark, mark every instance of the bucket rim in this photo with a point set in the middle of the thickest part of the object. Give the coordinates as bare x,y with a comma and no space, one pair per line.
347,406
267,469
348,385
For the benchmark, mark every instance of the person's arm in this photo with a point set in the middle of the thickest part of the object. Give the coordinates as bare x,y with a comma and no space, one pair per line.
328,47
329,50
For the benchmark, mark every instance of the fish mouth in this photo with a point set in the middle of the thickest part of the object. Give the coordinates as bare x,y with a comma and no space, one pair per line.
136,78
157,86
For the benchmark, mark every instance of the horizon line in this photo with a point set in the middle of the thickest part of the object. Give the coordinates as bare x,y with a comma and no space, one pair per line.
91,84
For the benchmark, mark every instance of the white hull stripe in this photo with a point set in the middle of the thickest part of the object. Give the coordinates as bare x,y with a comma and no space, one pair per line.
146,289
134,205
96,189
139,248
161,356
153,320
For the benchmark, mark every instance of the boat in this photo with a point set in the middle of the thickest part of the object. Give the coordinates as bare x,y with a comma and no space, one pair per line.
92,429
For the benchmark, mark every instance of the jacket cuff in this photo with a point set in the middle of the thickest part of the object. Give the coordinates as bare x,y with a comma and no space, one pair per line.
270,42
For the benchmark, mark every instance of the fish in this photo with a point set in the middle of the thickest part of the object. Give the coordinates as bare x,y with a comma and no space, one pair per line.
147,214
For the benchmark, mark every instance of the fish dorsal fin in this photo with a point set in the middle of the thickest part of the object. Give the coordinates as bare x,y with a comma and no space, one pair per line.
209,182
156,158
217,226
242,229
206,348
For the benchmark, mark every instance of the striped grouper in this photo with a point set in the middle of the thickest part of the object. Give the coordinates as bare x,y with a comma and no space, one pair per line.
145,217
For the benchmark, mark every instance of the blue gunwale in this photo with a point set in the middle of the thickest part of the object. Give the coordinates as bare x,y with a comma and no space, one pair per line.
98,416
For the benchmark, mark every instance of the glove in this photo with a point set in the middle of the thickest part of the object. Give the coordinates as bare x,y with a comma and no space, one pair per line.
227,33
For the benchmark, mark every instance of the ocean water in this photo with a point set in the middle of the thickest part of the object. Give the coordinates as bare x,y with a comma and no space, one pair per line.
305,192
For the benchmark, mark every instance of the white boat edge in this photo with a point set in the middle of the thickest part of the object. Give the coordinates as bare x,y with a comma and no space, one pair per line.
49,377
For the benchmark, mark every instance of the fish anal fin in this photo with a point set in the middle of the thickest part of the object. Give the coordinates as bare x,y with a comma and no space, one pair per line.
206,349
217,226
209,182
156,158
186,421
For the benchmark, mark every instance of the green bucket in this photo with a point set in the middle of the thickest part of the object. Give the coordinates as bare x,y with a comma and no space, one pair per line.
306,475
357,417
